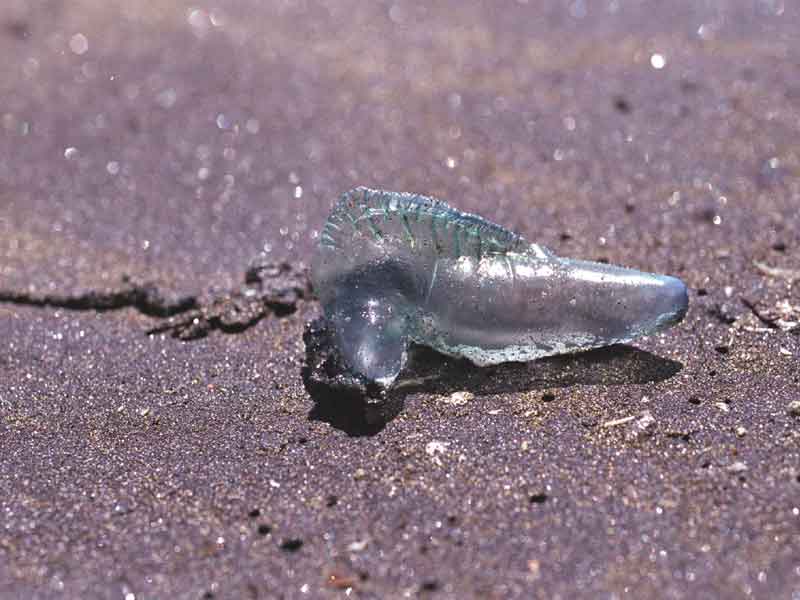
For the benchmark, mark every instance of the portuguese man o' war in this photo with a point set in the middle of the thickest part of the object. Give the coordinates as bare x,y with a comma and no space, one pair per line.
395,268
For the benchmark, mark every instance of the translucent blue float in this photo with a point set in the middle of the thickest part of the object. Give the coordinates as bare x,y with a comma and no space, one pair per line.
394,268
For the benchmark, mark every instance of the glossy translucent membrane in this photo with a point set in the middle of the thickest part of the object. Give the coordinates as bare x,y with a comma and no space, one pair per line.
393,268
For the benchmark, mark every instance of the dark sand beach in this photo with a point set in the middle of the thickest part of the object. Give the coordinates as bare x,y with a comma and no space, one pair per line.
157,437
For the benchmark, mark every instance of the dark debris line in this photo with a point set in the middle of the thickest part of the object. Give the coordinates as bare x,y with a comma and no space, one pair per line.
147,298
269,288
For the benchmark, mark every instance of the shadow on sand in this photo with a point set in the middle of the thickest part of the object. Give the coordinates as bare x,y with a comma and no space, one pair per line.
347,404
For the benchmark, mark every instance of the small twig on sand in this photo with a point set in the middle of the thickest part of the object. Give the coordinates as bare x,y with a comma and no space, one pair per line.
790,274
621,421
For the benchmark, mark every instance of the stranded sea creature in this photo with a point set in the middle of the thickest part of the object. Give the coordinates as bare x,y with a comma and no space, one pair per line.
394,268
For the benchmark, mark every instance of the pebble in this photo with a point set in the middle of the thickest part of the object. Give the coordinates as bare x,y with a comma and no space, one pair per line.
435,449
794,408
358,545
642,427
458,398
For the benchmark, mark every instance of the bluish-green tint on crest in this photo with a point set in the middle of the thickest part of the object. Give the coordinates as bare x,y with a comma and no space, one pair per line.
393,268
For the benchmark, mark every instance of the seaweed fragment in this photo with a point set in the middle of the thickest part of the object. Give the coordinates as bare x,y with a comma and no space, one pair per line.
269,288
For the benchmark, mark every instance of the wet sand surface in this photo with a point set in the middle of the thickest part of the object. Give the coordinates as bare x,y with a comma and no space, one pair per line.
150,150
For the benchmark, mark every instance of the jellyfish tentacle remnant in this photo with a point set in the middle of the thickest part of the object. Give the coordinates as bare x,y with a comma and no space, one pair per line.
394,268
